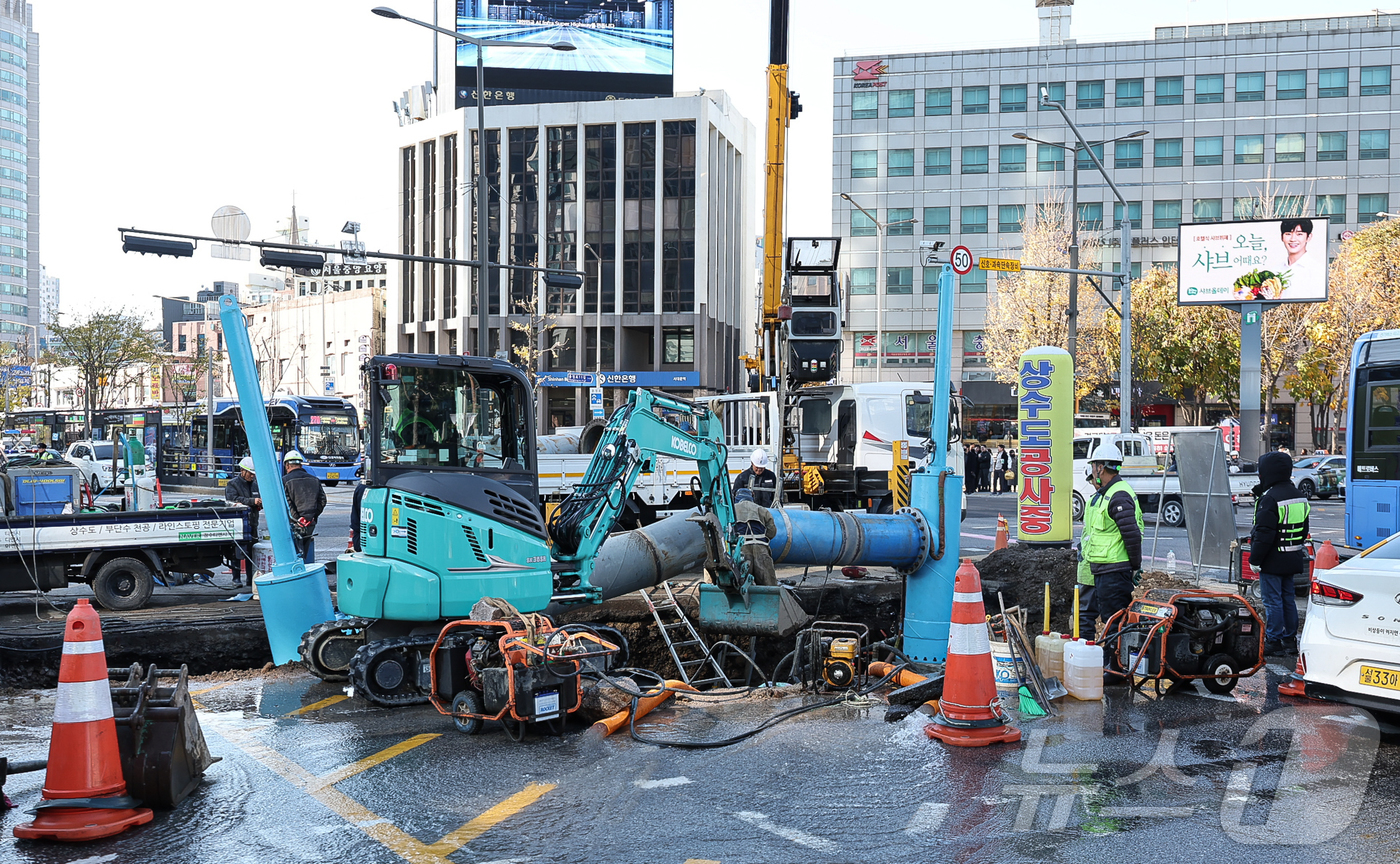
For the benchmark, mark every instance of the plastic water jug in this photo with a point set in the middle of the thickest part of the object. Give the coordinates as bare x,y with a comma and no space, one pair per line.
1049,655
1084,670
1171,563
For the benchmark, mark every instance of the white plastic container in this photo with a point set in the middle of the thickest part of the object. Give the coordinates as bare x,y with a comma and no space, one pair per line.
1084,670
1049,655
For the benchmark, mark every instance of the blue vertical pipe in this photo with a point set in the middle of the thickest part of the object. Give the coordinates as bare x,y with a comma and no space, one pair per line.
928,593
294,596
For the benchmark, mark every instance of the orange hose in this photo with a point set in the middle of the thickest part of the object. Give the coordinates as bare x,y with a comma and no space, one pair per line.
879,670
609,725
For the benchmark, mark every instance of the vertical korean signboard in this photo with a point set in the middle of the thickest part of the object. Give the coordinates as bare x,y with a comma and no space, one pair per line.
1045,420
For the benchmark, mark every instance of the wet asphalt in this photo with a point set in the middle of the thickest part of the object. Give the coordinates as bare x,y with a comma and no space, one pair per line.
1176,777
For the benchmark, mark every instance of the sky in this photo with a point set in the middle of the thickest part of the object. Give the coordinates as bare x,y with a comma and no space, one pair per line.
155,114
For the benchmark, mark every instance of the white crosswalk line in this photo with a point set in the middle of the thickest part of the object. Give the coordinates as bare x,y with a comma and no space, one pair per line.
927,819
759,820
663,783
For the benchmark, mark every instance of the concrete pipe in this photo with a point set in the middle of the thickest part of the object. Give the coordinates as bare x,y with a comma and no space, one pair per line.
808,537
572,440
634,560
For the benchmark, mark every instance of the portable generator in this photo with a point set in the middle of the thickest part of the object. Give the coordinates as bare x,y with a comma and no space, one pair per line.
1185,635
515,671
832,655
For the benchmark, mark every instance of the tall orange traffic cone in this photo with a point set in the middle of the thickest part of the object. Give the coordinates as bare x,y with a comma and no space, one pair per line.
1326,556
969,714
1001,532
84,792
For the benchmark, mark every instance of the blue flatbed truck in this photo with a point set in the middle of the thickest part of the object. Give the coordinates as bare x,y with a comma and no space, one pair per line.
119,553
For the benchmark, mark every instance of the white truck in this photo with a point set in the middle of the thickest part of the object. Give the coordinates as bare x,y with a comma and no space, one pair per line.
846,436
1158,490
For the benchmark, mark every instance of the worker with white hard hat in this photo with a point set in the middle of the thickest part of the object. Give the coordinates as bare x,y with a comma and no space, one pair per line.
758,479
243,489
1110,548
305,502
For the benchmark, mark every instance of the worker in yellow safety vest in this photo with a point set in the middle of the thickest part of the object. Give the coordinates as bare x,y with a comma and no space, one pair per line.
1110,549
1276,547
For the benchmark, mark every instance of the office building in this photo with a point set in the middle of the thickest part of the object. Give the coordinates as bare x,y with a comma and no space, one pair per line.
649,198
20,303
1303,110
49,294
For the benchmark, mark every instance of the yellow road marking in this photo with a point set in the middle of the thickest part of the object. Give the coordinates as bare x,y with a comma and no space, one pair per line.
370,761
404,845
317,706
198,705
486,821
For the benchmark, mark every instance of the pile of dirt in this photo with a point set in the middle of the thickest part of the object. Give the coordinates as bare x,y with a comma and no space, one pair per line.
1020,572
1160,579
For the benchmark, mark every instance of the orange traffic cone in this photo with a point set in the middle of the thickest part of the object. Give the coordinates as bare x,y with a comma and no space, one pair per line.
1001,532
1326,556
84,792
969,714
1294,685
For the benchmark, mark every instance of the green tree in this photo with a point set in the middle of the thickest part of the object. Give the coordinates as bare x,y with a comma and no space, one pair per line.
108,348
1192,351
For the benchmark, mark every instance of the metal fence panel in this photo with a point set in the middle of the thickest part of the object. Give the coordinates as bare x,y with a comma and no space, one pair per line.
1205,498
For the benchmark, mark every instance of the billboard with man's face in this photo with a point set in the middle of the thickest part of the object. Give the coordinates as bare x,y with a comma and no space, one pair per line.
1268,260
622,49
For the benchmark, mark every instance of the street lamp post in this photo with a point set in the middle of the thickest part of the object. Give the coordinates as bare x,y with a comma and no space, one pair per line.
1072,324
1125,228
880,228
483,343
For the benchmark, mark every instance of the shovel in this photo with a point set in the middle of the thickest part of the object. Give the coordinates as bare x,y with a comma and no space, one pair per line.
1047,689
1030,705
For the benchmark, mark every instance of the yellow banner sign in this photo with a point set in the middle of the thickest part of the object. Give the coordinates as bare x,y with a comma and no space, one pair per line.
1010,265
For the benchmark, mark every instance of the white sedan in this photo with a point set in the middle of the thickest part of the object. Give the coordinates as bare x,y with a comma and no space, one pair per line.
1350,646
95,460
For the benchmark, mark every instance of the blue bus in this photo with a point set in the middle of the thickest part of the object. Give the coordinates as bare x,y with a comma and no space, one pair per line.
1373,439
326,430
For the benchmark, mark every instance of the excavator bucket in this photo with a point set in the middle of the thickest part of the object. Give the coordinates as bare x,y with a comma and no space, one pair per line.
764,612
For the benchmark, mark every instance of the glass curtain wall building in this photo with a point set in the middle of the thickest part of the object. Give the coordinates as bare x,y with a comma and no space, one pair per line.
20,296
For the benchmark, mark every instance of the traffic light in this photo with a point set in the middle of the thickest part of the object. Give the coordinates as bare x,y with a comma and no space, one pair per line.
794,105
157,246
563,281
294,260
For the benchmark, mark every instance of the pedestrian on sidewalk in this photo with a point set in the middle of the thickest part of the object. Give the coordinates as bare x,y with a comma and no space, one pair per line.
243,489
1276,548
999,469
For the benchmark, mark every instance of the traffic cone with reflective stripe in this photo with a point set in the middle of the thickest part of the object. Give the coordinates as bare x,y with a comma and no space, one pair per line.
1002,538
969,713
1295,686
84,792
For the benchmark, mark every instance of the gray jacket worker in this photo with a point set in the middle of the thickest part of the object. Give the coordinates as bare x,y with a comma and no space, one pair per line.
1276,548
756,528
243,489
758,479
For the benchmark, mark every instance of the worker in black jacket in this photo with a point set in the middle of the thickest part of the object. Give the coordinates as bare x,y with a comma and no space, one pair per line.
1276,548
243,489
305,501
758,478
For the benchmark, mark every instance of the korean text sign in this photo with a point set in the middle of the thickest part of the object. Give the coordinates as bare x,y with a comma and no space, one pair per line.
1045,422
1275,260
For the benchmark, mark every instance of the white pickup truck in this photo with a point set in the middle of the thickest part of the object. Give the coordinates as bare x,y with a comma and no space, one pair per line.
1158,491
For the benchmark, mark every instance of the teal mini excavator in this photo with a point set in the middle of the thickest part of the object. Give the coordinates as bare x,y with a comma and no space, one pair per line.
449,514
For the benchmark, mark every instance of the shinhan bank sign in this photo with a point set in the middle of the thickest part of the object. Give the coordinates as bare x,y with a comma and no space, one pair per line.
618,379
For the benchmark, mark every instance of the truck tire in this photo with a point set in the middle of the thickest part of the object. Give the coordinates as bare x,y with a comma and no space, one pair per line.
1172,514
123,584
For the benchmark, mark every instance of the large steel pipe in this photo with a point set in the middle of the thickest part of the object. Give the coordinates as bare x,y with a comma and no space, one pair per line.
639,559
820,538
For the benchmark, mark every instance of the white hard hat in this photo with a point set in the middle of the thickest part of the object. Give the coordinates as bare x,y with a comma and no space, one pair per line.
246,464
1107,452
293,456
759,458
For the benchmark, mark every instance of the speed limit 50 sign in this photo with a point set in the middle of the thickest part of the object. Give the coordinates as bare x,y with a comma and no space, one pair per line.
962,260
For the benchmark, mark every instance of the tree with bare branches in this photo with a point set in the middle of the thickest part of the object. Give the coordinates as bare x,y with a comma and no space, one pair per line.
1192,351
1029,308
109,349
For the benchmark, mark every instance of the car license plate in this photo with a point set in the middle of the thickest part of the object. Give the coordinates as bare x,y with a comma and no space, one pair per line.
1374,677
546,705
332,475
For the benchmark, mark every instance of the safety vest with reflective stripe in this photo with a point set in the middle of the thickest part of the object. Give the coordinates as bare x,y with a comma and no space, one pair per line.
1105,542
1292,514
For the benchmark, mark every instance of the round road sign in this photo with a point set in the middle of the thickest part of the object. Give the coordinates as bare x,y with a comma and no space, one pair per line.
962,260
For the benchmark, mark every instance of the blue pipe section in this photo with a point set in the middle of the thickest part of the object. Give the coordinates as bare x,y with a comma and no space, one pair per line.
822,537
294,596
928,593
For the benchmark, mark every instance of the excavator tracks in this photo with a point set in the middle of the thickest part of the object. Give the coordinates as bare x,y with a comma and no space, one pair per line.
387,672
327,649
